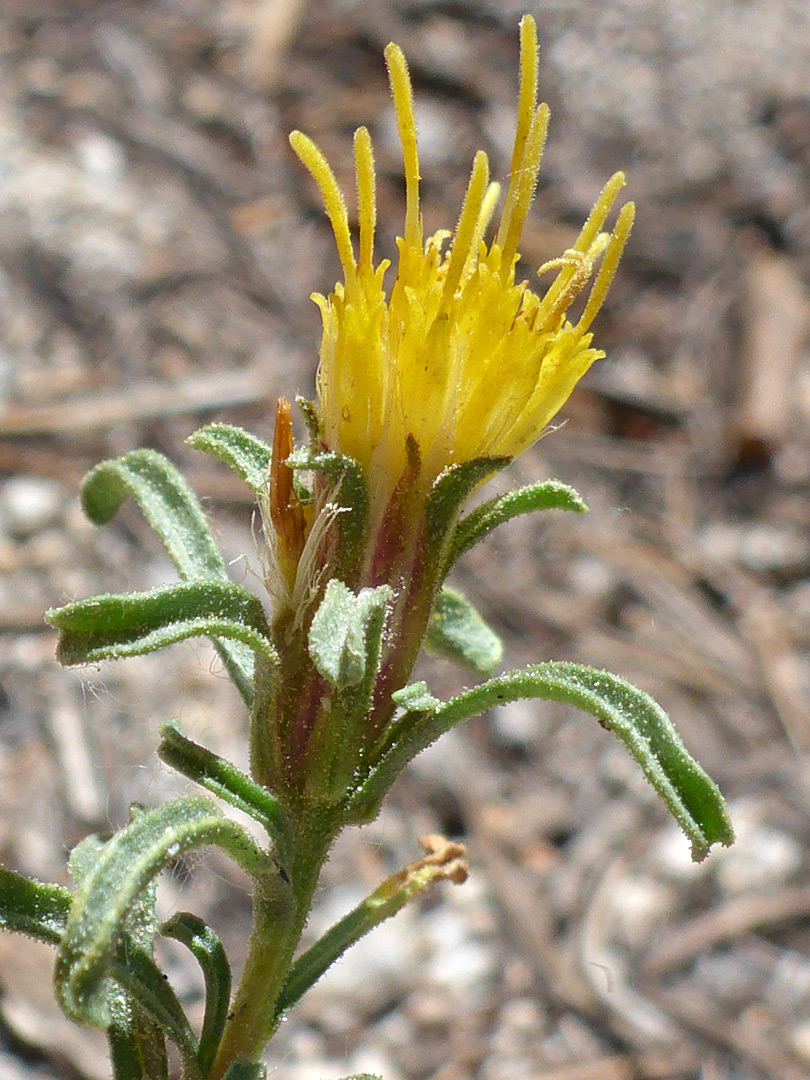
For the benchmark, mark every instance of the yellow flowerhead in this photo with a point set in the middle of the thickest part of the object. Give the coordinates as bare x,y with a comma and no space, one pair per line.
457,355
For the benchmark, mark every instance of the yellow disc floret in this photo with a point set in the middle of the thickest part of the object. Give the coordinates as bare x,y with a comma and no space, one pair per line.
457,357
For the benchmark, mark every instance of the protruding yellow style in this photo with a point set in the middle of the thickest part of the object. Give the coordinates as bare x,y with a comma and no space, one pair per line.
457,355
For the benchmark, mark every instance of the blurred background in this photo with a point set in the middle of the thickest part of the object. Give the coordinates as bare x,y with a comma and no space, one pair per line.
158,244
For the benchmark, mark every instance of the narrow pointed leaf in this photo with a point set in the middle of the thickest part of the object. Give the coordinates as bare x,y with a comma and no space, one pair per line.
639,722
142,1006
443,861
227,782
549,495
134,970
207,949
128,1056
248,456
173,511
457,632
114,626
450,491
125,868
32,907
352,492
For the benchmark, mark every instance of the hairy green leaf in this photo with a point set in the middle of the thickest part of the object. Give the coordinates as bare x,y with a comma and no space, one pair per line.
172,510
450,491
142,1006
133,970
132,1056
549,495
344,639
33,907
227,782
351,495
344,642
457,632
207,949
416,698
114,626
639,722
126,867
248,456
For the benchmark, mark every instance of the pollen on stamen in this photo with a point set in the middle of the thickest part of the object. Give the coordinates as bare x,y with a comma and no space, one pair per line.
514,215
587,237
322,174
366,194
402,92
466,228
610,262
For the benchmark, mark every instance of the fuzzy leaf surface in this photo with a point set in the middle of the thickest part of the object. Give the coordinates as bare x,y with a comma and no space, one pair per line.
123,871
450,491
147,1011
173,511
549,495
134,1054
344,639
208,951
459,633
118,625
248,456
632,715
344,642
351,494
227,782
34,908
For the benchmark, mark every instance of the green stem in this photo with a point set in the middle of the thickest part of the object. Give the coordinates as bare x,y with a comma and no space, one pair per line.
253,1017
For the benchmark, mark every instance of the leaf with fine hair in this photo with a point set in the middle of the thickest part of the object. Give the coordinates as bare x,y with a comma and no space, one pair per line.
450,491
171,508
633,716
32,907
344,638
207,949
124,869
136,1051
133,970
248,456
351,493
473,527
344,641
143,1008
457,632
114,626
227,782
